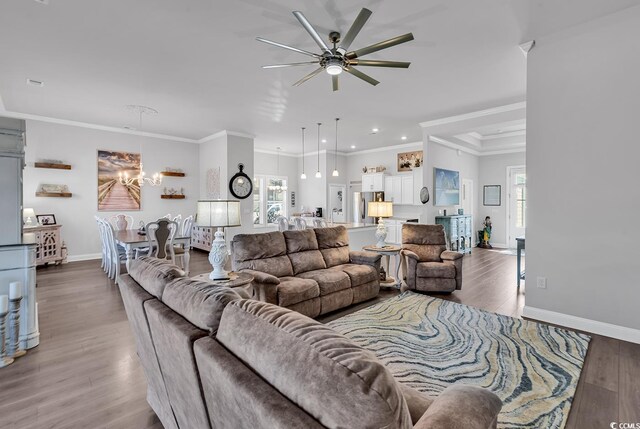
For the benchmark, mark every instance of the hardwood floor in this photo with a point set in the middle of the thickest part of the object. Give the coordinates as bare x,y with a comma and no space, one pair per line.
85,372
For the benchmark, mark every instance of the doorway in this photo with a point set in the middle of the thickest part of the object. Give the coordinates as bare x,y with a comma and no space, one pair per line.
337,204
516,203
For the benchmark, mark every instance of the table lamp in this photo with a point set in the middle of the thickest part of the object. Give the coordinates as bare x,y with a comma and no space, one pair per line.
380,209
218,214
28,216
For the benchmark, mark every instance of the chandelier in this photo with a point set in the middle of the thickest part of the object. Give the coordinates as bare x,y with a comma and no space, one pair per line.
140,179
279,187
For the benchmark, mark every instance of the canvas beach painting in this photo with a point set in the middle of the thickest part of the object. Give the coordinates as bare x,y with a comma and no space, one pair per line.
113,195
447,187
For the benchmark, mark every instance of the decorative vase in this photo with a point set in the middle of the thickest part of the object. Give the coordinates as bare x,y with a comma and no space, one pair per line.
121,223
218,256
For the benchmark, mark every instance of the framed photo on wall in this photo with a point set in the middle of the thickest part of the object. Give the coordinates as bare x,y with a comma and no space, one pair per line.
491,195
447,187
407,161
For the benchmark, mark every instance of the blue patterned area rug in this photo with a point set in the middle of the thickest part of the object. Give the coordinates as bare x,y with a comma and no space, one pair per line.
430,343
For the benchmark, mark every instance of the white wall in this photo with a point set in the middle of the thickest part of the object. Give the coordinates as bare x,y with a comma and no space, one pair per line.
78,147
583,182
312,191
213,156
493,171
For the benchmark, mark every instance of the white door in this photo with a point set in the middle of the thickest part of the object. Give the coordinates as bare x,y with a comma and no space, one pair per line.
516,203
466,199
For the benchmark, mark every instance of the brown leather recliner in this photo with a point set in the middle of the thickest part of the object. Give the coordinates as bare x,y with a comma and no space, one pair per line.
428,265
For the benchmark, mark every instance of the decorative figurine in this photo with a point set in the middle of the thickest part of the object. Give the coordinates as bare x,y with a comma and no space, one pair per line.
486,234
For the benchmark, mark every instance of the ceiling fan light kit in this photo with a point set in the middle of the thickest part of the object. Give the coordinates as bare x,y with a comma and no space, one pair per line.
337,59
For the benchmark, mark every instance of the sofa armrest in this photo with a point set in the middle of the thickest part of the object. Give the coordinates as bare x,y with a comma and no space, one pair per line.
410,254
459,406
448,255
364,258
261,277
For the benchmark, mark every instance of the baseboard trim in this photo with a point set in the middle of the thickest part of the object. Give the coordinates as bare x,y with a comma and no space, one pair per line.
85,257
582,324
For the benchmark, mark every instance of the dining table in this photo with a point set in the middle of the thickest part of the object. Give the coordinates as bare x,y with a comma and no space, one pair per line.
131,239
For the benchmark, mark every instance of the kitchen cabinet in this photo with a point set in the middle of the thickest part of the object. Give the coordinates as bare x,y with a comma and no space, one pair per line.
407,190
373,182
393,189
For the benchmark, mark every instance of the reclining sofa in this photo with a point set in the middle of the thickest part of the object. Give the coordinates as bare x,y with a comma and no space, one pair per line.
214,360
310,271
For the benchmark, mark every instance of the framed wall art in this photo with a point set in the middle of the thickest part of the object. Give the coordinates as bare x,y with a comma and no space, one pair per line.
407,161
491,195
447,187
114,194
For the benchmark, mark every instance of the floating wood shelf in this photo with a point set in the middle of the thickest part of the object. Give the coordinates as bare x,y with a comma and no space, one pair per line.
54,194
172,197
50,165
172,173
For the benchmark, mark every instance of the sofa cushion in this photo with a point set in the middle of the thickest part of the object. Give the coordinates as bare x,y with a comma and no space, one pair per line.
153,274
321,369
279,266
332,237
299,241
426,252
358,274
437,270
306,261
335,256
414,233
258,246
293,290
200,302
328,280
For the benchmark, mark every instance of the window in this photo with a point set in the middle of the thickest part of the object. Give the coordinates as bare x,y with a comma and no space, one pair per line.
521,199
270,198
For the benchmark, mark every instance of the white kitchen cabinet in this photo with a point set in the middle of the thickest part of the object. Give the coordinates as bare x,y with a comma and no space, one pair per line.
373,182
407,190
388,186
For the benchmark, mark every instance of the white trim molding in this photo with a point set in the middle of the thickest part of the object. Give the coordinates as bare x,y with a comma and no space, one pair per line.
85,257
224,133
587,325
452,145
384,149
474,115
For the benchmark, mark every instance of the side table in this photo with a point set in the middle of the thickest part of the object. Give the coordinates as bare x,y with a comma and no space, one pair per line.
387,252
240,282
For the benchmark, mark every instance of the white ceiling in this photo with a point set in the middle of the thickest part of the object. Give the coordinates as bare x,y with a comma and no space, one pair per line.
198,64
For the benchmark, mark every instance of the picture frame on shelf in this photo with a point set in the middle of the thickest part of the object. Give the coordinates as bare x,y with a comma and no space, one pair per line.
46,219
492,195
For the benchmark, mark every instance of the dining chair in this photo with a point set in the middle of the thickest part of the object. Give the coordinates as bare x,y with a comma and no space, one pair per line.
103,244
121,221
177,219
283,223
299,223
160,235
181,251
320,223
167,216
116,255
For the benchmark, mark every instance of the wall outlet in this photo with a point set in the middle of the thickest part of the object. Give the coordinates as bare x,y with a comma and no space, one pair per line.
440,212
542,282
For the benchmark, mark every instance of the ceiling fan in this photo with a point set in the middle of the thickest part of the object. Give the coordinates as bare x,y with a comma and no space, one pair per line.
338,59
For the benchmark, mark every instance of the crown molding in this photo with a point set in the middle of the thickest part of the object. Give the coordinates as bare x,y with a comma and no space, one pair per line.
504,151
30,117
452,145
474,115
225,133
517,133
275,152
384,149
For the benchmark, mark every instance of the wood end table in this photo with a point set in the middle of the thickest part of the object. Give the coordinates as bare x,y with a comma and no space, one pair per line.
387,252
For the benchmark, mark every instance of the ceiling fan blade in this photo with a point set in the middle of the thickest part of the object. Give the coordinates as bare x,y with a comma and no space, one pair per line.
379,46
291,48
312,31
278,66
358,73
380,63
309,76
334,81
357,25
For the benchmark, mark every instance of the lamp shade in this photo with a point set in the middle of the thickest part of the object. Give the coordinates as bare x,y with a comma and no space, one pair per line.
218,213
28,213
380,208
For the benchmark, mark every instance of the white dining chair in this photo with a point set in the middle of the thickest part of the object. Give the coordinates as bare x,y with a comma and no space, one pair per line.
181,251
103,244
320,223
283,223
118,225
116,256
178,219
299,223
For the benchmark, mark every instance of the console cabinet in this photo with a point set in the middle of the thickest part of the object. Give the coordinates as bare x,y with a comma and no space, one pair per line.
48,243
458,231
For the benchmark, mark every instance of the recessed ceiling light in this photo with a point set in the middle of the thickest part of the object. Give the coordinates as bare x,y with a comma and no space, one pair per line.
324,140
353,146
375,130
403,137
34,82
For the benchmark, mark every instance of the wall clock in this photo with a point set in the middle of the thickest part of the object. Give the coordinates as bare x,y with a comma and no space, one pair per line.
240,185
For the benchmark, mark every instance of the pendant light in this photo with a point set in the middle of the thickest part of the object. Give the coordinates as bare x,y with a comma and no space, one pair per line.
140,179
303,176
335,161
318,175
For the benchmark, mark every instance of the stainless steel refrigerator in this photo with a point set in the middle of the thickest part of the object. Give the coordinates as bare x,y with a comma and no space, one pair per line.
360,201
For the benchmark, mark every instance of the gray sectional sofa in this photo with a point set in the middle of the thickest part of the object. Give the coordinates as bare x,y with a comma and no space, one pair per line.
214,360
310,271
